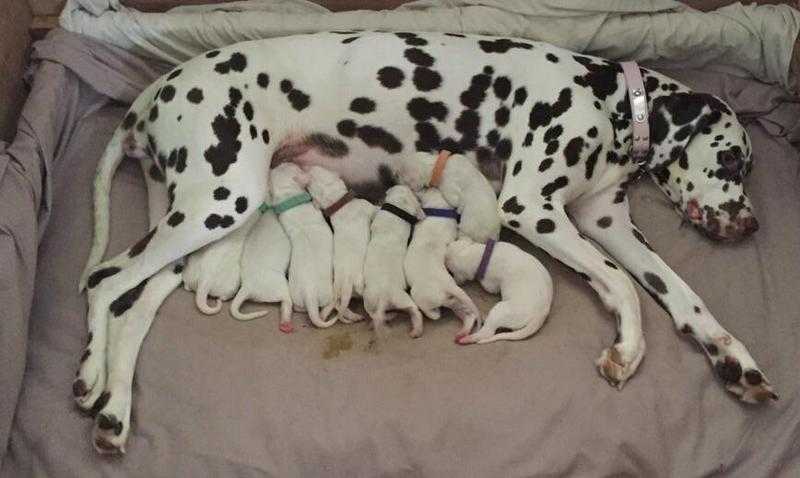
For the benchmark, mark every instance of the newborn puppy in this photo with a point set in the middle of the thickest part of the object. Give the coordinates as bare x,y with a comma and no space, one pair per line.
215,269
311,266
351,219
524,285
265,259
431,285
463,187
385,282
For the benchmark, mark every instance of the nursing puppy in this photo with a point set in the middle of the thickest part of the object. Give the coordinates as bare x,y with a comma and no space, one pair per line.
463,187
522,281
385,281
265,259
350,218
432,286
215,270
311,267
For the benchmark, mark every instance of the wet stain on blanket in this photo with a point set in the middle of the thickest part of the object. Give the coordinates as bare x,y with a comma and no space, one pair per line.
336,344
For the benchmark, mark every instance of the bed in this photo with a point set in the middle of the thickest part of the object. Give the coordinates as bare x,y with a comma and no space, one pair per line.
216,397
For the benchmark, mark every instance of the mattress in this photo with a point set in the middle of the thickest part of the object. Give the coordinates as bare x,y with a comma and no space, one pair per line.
217,397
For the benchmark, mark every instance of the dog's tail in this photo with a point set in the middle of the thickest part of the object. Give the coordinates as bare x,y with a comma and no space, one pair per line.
112,156
312,308
201,300
236,306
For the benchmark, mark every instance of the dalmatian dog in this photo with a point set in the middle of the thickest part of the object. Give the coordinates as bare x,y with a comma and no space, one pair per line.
265,259
384,280
311,262
462,185
350,218
552,127
215,270
523,282
432,287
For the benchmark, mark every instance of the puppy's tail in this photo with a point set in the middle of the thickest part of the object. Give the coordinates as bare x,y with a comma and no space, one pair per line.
312,308
201,300
236,306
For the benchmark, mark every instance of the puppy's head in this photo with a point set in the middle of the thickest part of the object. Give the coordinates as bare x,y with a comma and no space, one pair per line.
458,260
709,158
414,170
325,186
432,197
287,179
403,197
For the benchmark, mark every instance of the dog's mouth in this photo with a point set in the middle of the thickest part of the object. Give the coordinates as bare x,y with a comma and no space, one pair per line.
708,222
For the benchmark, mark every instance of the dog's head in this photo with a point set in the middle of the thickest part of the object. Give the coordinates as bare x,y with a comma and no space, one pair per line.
403,197
287,179
701,155
457,259
414,170
325,186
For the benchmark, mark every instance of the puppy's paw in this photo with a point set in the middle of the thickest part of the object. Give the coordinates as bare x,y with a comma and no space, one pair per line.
286,327
618,363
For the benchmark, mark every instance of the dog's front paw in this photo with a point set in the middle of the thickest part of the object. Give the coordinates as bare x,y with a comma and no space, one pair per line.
748,384
618,363
90,381
112,425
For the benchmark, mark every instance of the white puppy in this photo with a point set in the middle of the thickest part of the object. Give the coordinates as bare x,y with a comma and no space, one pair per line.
215,269
431,285
524,285
351,219
311,265
385,282
265,259
463,187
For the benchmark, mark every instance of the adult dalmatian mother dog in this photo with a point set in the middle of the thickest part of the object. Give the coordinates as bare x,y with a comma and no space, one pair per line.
552,127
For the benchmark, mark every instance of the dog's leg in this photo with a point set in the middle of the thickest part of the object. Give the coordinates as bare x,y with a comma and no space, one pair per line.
547,226
609,224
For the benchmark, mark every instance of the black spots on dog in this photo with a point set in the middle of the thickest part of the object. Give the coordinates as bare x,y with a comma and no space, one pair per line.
520,95
175,218
109,422
503,149
502,45
659,127
457,35
426,79
683,133
214,221
591,161
679,154
122,304
227,129
262,80
130,120
237,62
467,124
386,176
180,163
473,96
195,95
350,40
572,151
372,136
502,115
719,137
551,148
547,206
592,133
551,58
140,125
212,54
167,93
512,206
253,132
140,246
655,282
248,110
265,136
513,223
502,87
604,222
298,99
178,268
597,105
687,329
729,369
155,174
661,174
733,207
696,309
639,237
528,140
419,57
753,377
545,164
611,264
86,354
492,137
391,77
412,39
553,133
545,226
99,275
362,105
711,348
428,137
601,78
221,193
423,110
327,145
543,113
153,113
517,168
241,204
650,84
555,185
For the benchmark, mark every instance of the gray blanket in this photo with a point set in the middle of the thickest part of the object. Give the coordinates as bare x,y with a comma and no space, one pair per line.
217,397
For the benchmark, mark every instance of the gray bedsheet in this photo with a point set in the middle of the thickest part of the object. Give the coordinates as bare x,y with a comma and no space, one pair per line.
215,397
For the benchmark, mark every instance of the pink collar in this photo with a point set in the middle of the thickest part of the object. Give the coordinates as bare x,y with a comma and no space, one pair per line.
639,116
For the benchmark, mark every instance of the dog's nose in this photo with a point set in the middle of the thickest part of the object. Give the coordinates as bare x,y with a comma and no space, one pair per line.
747,225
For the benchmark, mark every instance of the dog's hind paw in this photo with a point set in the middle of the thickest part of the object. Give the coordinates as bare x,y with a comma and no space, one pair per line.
616,366
750,386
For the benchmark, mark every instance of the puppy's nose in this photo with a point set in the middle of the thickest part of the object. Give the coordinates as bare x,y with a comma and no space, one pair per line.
747,225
